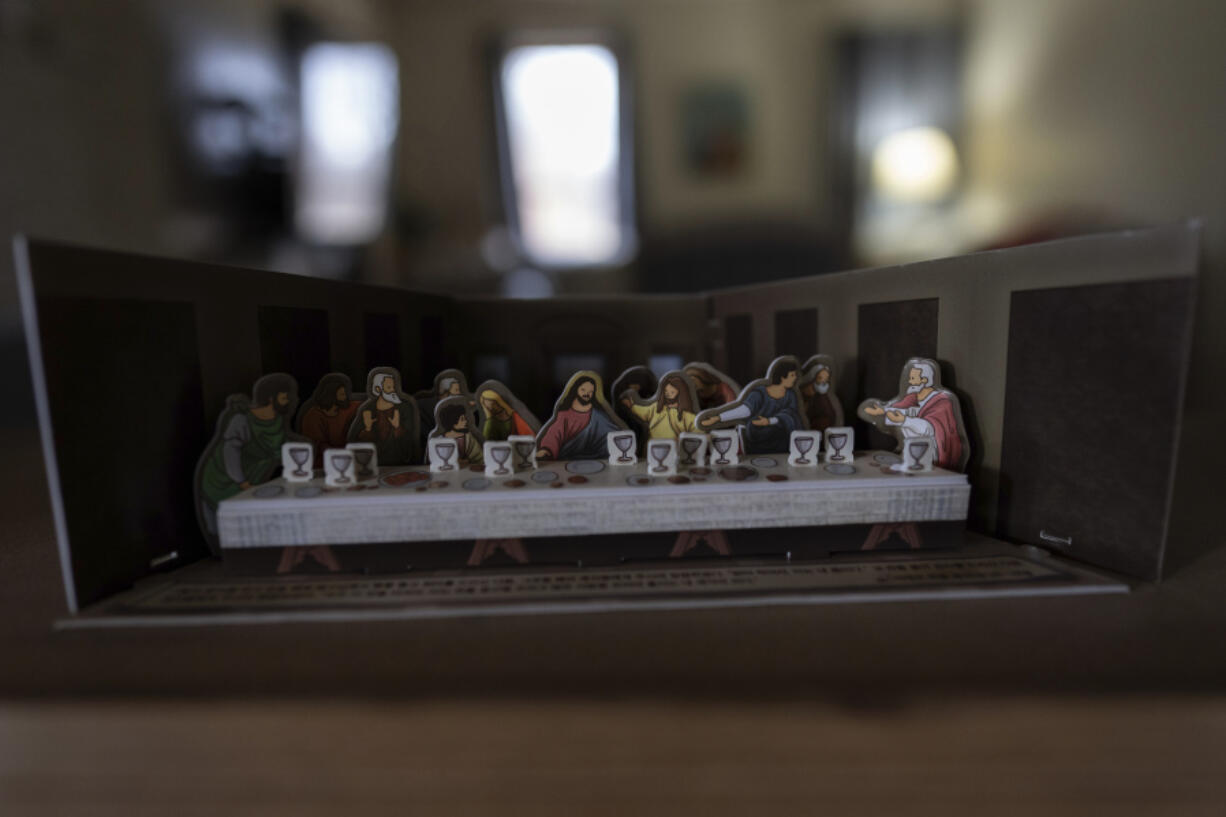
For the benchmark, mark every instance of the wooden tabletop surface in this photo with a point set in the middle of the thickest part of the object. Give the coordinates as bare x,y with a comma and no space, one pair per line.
601,757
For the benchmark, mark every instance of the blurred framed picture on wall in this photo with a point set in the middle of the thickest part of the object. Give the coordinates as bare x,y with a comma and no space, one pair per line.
715,129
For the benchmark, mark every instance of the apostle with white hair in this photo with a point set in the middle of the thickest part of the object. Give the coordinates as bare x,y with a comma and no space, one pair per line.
385,384
386,421
924,409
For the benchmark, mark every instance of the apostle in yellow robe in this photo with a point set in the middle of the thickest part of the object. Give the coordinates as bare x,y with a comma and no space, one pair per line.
670,413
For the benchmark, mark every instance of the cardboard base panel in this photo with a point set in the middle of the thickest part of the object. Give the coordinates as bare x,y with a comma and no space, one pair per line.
203,595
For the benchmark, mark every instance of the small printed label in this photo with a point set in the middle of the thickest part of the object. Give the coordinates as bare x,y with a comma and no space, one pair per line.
1067,541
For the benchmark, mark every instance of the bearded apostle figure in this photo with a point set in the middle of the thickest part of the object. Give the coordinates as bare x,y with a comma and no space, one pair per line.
388,419
923,409
326,417
580,424
246,447
822,407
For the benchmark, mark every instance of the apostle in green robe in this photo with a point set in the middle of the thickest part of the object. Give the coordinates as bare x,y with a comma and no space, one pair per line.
247,448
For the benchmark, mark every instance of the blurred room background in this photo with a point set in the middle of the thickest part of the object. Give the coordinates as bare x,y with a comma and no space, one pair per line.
535,148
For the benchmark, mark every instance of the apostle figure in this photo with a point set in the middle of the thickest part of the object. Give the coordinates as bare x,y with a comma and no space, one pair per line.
455,422
822,408
388,419
712,387
669,413
580,424
924,409
767,412
326,417
501,418
246,448
447,383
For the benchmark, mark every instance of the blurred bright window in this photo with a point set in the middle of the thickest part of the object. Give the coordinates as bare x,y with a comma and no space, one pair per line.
566,163
350,112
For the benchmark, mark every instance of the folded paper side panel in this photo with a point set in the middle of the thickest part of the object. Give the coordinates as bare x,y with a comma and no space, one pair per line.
1091,423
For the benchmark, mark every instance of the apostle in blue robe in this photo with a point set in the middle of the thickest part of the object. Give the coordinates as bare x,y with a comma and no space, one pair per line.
772,412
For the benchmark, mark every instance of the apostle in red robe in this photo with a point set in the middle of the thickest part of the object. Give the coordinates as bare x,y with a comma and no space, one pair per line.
712,390
580,426
925,410
326,419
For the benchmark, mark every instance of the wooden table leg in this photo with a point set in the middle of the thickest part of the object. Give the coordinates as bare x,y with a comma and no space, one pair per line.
485,548
907,531
290,558
324,555
482,548
689,539
685,541
515,549
911,535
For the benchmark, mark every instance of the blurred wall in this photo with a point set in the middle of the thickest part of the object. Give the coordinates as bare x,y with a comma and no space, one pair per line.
1113,107
83,150
81,153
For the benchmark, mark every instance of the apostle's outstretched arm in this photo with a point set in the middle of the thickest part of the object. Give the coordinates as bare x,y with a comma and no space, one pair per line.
739,413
